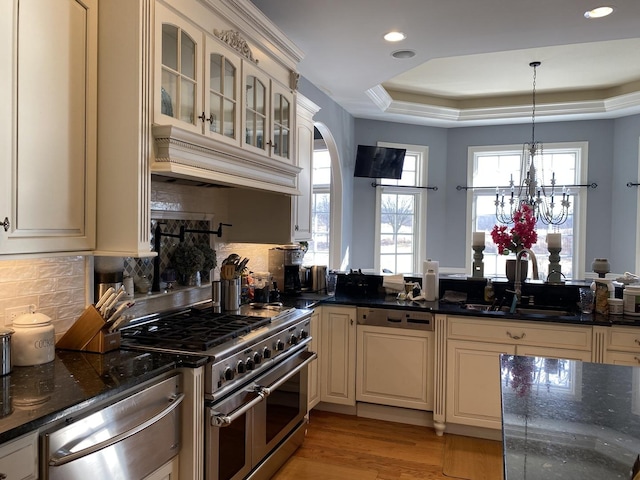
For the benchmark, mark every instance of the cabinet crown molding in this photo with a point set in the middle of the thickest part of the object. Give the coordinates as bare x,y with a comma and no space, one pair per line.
235,41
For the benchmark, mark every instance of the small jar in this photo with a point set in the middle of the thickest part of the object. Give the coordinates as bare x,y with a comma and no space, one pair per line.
33,340
615,306
631,298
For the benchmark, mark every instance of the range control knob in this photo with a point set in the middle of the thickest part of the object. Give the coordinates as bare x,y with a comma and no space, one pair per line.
257,358
229,373
241,367
293,340
279,346
266,353
303,334
250,363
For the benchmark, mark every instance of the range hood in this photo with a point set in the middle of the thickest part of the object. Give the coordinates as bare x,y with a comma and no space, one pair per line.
190,156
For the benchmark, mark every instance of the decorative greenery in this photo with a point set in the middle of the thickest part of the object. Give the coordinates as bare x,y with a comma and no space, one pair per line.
523,233
187,259
210,260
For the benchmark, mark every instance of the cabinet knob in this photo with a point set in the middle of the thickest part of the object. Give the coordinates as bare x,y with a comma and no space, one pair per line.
205,119
3,476
6,224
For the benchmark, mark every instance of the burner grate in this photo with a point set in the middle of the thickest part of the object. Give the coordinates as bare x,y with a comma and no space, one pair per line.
194,330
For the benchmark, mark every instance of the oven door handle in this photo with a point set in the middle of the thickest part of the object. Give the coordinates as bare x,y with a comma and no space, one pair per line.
64,455
267,390
222,420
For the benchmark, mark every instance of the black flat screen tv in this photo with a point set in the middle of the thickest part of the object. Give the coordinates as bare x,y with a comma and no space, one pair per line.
379,162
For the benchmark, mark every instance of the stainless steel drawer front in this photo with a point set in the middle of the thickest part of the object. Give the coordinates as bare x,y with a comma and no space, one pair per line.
127,440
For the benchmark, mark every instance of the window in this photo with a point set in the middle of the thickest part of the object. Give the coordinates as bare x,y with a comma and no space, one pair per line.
399,212
318,253
495,166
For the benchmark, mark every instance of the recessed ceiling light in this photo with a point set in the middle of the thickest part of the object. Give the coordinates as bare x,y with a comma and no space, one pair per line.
403,54
394,36
598,12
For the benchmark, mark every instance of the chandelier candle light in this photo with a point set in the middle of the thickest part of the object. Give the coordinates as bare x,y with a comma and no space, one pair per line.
554,245
477,244
541,198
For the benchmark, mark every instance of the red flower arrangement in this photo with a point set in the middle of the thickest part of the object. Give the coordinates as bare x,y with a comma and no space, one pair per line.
522,234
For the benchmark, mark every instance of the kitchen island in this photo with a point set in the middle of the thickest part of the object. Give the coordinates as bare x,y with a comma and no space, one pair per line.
569,419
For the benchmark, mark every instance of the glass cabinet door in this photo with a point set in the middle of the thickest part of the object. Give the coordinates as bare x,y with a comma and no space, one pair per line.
223,96
179,83
281,125
255,112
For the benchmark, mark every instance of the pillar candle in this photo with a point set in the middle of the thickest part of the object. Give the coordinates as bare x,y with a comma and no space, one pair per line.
478,239
553,240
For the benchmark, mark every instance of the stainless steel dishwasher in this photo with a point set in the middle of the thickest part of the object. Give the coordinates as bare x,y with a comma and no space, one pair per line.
126,440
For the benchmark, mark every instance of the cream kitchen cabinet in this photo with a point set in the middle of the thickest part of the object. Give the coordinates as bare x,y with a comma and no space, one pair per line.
137,140
301,208
198,79
314,367
394,367
48,125
224,108
622,346
338,355
19,458
169,471
473,361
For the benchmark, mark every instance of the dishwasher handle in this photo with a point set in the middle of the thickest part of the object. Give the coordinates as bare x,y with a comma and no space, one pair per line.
64,456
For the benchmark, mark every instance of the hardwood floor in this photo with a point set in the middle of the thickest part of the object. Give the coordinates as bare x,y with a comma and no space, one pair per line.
341,447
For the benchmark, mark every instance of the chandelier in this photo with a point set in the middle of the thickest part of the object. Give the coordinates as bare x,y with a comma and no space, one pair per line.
547,204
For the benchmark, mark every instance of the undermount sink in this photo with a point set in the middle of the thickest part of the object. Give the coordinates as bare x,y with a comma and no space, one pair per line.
549,312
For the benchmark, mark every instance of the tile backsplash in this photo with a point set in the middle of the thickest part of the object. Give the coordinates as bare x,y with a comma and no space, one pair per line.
55,285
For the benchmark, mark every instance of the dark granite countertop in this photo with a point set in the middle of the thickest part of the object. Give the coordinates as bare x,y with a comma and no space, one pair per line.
569,419
34,396
390,301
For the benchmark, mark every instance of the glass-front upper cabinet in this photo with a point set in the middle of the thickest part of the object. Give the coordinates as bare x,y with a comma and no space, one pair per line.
281,125
268,114
178,100
255,113
223,96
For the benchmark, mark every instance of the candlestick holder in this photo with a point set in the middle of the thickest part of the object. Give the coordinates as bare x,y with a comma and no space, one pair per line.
555,270
478,264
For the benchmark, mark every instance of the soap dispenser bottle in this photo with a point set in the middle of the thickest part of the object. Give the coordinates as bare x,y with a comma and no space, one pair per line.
489,293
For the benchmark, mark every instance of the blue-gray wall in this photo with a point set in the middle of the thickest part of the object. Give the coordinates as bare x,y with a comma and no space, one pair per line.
612,213
341,125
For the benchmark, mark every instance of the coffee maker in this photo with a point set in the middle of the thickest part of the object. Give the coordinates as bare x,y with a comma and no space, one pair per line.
284,264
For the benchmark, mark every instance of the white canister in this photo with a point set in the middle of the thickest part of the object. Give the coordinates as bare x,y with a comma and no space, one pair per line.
33,341
631,298
616,306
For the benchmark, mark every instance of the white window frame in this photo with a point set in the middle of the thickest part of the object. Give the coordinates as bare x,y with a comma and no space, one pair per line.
420,226
578,198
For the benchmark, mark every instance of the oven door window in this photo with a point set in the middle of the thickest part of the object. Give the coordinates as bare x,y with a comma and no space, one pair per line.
233,449
283,407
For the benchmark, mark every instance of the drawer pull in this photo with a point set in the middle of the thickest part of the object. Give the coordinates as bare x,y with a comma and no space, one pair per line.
636,359
637,341
515,337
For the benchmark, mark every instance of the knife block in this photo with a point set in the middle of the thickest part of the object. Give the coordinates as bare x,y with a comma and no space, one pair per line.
89,334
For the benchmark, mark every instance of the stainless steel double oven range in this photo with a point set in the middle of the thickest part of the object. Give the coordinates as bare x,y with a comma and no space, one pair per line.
256,381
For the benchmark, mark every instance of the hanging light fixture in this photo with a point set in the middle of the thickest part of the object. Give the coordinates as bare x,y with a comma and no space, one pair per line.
546,203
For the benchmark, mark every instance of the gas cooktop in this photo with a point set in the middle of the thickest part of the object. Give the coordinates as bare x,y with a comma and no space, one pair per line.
199,329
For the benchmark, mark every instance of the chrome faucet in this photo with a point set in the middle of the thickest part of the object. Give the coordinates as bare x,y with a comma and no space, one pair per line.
517,283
